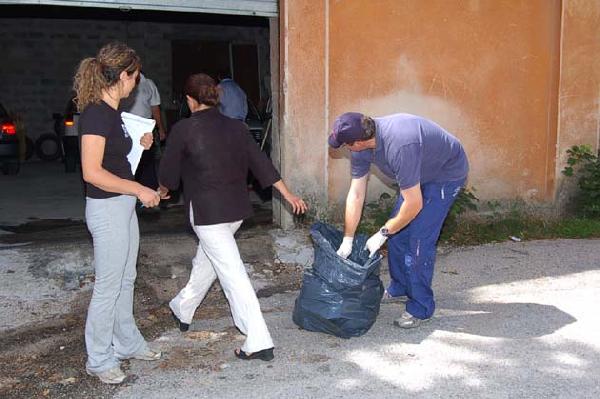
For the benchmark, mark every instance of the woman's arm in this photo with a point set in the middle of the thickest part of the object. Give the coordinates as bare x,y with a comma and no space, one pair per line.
169,171
92,152
297,203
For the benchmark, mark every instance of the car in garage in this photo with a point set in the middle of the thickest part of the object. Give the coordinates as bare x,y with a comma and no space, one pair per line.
70,136
9,144
63,143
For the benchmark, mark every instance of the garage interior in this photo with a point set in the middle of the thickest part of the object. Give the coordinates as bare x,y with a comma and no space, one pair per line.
42,45
43,41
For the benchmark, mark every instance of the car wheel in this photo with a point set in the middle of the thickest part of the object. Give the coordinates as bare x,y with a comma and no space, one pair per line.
11,168
47,147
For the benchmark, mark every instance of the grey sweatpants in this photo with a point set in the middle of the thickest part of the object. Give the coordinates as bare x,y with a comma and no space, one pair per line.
110,330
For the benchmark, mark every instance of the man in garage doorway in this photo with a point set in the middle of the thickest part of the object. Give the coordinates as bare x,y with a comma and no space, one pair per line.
144,101
232,98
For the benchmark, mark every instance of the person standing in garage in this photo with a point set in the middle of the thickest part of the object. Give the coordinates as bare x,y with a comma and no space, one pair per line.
111,333
232,98
144,101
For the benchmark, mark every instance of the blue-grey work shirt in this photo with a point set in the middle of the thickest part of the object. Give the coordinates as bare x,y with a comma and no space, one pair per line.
232,100
411,149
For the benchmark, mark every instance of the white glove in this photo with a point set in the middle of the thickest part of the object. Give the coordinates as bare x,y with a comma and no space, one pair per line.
375,242
346,248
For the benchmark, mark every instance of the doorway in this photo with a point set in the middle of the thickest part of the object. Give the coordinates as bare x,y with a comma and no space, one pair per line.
217,58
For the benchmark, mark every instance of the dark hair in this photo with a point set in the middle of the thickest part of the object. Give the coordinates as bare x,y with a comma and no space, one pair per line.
98,73
368,127
223,74
202,88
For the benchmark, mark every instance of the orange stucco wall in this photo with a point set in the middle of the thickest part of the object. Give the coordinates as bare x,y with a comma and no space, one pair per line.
488,71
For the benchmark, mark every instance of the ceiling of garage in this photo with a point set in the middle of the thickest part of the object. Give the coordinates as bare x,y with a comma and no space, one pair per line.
264,8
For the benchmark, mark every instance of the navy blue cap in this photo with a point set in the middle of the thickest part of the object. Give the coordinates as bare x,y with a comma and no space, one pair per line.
347,128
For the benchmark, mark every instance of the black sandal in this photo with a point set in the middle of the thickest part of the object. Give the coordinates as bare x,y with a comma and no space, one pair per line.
183,327
265,355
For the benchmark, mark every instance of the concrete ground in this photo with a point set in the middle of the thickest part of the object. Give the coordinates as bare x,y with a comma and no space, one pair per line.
512,320
41,191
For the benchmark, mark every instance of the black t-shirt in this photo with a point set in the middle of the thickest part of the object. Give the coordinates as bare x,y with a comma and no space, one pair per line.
102,120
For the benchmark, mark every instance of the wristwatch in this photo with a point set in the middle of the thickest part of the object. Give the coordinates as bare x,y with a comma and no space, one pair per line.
384,232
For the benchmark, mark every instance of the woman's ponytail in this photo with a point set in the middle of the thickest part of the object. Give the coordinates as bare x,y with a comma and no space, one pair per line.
88,83
94,75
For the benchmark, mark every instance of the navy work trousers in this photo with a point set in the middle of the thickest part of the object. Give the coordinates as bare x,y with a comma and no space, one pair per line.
411,252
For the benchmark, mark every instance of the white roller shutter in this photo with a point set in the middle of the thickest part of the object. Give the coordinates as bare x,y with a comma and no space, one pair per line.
264,8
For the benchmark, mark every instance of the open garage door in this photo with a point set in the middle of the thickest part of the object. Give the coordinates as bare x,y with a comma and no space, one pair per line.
263,8
45,40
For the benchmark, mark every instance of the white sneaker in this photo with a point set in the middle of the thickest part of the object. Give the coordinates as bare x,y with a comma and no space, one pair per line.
407,320
111,376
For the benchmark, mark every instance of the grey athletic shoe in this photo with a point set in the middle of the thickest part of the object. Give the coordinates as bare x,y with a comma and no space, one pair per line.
406,320
387,298
148,354
111,376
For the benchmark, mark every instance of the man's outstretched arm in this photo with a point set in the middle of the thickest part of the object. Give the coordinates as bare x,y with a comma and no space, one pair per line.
354,204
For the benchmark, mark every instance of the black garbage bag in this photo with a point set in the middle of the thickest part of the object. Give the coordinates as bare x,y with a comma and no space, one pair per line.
339,296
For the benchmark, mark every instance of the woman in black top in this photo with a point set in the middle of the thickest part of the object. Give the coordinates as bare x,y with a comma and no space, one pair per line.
212,154
110,331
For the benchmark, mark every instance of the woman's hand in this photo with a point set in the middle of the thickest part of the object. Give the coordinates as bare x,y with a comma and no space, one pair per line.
163,192
146,141
297,203
148,197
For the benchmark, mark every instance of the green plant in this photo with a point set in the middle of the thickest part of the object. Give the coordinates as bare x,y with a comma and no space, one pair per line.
481,231
376,214
494,207
497,227
465,201
582,162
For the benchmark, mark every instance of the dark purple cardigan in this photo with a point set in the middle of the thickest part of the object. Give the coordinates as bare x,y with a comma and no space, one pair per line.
212,154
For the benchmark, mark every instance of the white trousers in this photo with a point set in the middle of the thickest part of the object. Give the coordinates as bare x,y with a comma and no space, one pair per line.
218,256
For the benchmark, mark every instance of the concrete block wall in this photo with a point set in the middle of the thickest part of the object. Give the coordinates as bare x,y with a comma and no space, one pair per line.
39,57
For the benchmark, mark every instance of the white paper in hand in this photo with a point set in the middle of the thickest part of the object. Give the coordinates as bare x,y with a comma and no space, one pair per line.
135,127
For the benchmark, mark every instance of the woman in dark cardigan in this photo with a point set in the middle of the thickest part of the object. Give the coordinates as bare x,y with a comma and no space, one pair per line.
212,154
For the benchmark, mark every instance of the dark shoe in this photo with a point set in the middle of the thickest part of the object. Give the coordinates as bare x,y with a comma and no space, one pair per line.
183,327
265,354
